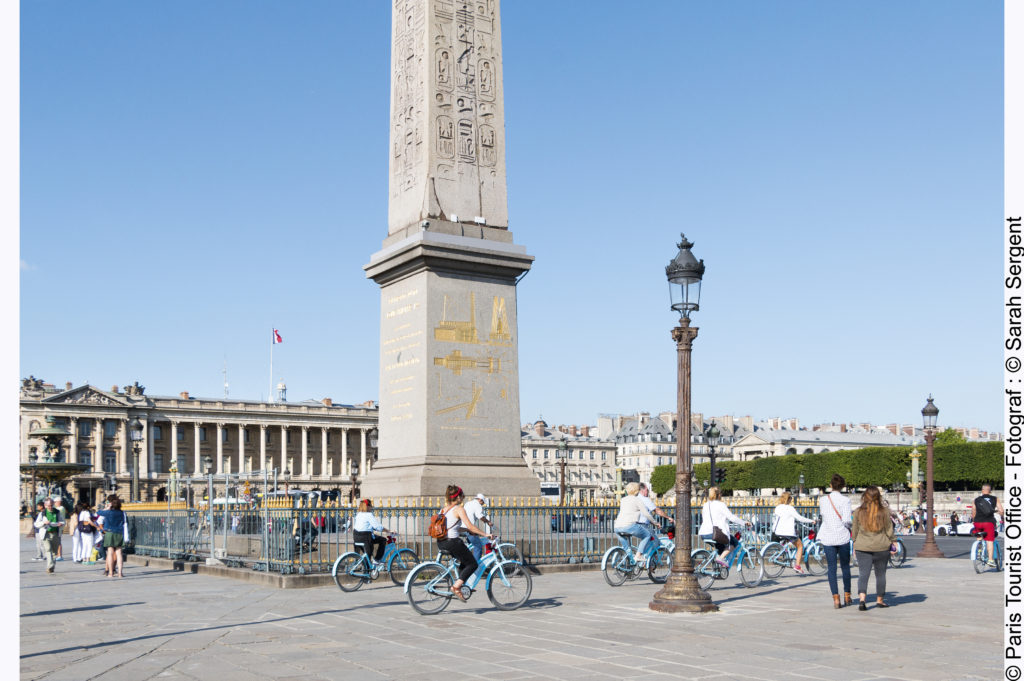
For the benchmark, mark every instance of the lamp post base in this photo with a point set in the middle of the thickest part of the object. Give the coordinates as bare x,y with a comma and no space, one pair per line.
930,550
681,593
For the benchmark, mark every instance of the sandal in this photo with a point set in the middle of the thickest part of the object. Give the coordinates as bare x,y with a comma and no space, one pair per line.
458,594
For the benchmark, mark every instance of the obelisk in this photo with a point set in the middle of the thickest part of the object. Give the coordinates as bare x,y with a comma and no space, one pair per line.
449,374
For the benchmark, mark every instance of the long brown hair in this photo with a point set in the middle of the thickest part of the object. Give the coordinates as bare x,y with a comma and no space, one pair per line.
871,514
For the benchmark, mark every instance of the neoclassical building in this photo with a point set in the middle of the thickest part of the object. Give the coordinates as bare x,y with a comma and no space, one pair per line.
312,445
589,460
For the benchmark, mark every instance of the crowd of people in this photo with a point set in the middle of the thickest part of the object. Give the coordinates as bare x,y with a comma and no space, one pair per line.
95,535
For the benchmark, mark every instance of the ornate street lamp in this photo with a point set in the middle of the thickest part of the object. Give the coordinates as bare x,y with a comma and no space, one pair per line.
681,592
560,454
931,415
712,436
353,493
135,434
800,493
33,459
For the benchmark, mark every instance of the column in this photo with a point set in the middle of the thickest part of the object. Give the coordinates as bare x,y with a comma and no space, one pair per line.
73,451
305,452
146,458
263,446
241,449
323,452
344,452
174,446
122,432
100,455
197,465
363,470
284,447
220,448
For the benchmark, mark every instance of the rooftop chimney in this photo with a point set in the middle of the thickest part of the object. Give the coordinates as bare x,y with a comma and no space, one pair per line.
113,388
572,431
539,428
67,386
327,401
585,431
184,394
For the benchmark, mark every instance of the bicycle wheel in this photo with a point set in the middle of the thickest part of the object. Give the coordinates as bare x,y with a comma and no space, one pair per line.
401,563
704,568
775,559
616,566
430,586
751,569
815,561
897,557
509,585
660,565
348,571
509,551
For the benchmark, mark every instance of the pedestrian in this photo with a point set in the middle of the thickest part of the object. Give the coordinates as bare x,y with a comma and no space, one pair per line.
115,528
38,533
50,523
954,520
872,540
58,506
834,535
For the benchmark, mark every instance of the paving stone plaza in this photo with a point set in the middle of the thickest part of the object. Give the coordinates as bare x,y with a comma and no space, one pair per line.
159,624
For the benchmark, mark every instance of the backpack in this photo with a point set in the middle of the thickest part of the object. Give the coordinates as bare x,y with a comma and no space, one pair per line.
985,509
438,528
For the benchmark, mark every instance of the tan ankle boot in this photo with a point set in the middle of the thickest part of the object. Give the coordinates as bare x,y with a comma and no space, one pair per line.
835,601
849,601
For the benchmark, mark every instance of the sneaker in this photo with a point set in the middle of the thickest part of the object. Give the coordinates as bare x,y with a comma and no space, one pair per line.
638,557
59,558
38,558
799,570
991,563
721,562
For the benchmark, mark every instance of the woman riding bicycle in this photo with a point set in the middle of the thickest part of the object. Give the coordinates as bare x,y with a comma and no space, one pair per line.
456,519
714,514
784,526
363,527
631,509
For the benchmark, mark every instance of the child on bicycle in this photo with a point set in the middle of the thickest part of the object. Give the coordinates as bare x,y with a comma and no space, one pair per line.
363,527
784,527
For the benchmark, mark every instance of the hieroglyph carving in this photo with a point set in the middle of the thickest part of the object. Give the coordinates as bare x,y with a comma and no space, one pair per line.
446,83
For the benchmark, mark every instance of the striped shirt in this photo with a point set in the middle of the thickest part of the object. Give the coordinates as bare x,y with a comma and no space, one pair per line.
834,530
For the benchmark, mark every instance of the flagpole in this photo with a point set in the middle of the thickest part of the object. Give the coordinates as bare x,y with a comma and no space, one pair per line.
270,394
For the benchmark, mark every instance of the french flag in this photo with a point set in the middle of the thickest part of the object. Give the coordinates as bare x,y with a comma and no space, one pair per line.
277,337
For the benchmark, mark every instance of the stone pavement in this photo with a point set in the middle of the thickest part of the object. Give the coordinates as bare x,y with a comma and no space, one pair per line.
157,624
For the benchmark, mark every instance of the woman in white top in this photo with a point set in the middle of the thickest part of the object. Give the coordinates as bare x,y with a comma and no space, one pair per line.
714,514
631,509
456,519
834,535
784,526
363,527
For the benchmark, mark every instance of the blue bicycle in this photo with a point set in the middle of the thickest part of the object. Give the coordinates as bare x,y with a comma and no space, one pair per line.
618,564
706,569
429,586
353,569
979,551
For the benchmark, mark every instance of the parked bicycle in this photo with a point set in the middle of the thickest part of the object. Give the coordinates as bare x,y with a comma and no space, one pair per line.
618,564
777,556
979,553
428,586
353,569
708,570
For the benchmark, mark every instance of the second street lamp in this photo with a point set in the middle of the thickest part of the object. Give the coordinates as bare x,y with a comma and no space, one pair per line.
681,592
931,415
135,434
712,436
560,454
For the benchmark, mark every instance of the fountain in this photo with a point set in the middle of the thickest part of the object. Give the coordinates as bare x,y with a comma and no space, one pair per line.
51,471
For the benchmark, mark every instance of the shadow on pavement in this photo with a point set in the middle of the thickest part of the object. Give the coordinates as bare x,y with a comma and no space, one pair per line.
893,598
101,578
90,607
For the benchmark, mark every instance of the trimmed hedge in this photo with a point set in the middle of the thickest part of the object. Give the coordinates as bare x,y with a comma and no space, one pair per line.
965,463
663,478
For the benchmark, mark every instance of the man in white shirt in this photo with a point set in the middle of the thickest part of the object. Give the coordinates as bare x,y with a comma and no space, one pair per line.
475,511
651,507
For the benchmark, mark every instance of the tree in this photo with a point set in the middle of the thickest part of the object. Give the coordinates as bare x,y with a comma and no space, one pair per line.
949,437
663,478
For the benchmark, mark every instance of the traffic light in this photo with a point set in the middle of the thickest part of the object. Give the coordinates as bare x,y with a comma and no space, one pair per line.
719,475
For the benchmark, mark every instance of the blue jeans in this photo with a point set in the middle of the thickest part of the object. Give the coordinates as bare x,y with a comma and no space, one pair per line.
843,553
636,530
476,545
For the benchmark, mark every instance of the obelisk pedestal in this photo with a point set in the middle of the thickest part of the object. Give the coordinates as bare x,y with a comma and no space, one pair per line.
449,387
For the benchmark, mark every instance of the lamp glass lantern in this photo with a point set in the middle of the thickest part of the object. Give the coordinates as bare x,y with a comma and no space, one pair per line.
135,429
207,463
801,479
33,458
930,414
713,435
354,468
373,438
684,274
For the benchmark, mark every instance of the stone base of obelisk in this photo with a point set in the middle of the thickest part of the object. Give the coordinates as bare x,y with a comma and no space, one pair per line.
449,383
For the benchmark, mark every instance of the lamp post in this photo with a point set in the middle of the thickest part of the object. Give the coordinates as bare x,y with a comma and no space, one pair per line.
33,459
712,436
681,592
931,415
135,434
560,455
914,477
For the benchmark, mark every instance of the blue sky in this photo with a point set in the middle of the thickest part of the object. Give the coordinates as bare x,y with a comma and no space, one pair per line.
196,173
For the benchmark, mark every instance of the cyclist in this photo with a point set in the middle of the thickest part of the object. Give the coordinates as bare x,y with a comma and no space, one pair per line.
631,510
475,512
456,519
652,508
784,526
363,527
985,508
715,514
